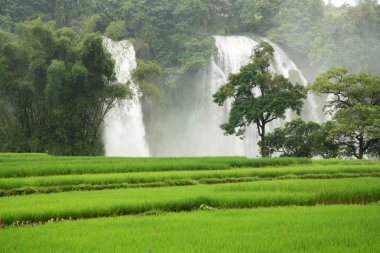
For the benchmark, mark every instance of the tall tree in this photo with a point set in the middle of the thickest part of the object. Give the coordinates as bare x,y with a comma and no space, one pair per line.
59,87
354,100
258,96
297,139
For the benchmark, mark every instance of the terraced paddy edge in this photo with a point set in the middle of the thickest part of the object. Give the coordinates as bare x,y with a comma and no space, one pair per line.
241,195
19,166
338,229
50,184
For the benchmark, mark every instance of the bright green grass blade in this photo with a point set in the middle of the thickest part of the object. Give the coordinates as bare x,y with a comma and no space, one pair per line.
338,229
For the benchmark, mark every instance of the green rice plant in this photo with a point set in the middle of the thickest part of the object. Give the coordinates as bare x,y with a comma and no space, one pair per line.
338,229
46,165
22,155
27,190
344,161
200,176
140,200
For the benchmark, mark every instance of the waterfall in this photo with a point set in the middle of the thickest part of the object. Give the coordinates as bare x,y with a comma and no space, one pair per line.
283,65
233,53
124,130
194,130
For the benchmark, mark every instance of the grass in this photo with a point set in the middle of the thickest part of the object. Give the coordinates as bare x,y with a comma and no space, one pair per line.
26,166
338,229
22,155
140,200
96,187
46,184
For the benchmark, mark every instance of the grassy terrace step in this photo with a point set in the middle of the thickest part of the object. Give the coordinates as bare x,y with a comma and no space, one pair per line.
48,184
140,200
26,166
338,229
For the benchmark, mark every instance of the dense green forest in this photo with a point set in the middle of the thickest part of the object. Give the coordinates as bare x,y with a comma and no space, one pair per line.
177,33
53,96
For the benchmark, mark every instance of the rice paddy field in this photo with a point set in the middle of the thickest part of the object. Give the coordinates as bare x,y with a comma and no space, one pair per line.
210,204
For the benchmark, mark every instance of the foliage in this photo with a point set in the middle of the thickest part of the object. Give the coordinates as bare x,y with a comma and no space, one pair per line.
327,36
374,149
349,38
147,75
258,96
296,139
293,20
303,139
116,30
355,101
92,24
324,143
57,87
357,129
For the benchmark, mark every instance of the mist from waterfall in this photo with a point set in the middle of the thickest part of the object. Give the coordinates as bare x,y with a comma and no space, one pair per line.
124,130
194,130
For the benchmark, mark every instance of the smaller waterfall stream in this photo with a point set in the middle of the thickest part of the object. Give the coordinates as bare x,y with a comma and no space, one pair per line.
124,132
283,65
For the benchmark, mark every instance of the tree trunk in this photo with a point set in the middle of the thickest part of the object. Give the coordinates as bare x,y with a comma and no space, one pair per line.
361,148
263,147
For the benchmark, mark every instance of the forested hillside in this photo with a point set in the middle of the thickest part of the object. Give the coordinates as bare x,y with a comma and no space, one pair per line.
44,43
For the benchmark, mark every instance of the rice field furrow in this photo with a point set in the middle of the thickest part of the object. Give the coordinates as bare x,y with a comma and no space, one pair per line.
140,200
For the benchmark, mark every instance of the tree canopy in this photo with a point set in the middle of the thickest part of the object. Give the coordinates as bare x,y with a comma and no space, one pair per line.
56,86
354,102
258,96
296,138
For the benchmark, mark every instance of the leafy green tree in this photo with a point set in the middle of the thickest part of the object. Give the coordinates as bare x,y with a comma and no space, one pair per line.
293,21
295,139
148,75
374,150
304,139
257,16
357,129
93,24
324,144
347,37
116,30
258,96
57,86
355,104
347,89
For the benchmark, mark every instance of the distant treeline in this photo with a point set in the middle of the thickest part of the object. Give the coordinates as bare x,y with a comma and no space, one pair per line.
177,32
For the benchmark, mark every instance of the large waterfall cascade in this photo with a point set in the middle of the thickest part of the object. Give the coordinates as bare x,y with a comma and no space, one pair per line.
233,53
124,131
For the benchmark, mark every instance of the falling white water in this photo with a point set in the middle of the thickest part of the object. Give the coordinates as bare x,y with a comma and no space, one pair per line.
233,53
283,65
339,3
124,131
